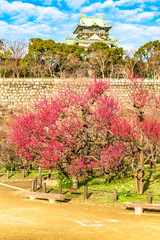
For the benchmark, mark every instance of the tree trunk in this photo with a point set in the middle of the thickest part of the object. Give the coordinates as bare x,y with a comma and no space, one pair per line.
122,171
152,164
139,178
89,172
4,74
111,74
139,173
75,182
103,74
153,161
106,175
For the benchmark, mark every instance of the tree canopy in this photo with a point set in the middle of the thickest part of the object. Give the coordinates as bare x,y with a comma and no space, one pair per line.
46,58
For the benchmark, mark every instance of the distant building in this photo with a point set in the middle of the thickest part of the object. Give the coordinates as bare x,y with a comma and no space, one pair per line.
90,30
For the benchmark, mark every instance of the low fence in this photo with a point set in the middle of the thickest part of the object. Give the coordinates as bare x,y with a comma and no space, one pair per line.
87,191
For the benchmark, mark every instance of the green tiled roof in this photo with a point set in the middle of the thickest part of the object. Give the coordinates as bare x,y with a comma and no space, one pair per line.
111,41
89,21
70,41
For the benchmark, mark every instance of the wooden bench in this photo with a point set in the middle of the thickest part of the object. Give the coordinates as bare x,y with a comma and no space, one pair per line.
139,207
50,196
72,190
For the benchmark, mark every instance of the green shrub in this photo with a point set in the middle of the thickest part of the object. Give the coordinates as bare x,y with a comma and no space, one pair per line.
124,192
64,180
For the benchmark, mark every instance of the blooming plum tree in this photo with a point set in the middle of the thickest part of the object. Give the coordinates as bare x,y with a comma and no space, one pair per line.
71,131
147,128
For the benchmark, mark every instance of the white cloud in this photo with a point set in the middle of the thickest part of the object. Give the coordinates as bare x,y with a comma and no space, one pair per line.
131,2
135,35
92,7
76,3
153,32
134,15
108,3
112,4
75,17
15,7
24,31
153,8
127,14
143,16
19,10
129,35
98,5
48,13
55,28
48,2
130,50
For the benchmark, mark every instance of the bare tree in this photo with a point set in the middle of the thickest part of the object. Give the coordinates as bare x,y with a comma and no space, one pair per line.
98,61
18,49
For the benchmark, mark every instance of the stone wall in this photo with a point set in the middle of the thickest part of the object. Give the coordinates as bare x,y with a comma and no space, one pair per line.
16,94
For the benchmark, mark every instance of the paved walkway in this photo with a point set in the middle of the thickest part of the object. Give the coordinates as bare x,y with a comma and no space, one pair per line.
23,219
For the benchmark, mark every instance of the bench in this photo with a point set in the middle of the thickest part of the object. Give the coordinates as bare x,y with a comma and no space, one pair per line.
139,207
72,190
50,196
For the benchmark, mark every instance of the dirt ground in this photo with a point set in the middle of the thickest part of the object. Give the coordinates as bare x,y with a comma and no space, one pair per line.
21,218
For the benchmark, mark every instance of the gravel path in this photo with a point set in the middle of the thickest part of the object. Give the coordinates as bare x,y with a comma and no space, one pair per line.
23,219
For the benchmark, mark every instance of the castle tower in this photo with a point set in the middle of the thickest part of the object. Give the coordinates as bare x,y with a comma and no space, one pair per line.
90,30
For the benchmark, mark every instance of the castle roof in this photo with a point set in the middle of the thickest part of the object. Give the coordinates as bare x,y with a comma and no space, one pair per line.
76,40
92,21
90,30
89,21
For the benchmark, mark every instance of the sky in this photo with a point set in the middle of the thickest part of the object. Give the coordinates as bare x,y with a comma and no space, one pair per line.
135,22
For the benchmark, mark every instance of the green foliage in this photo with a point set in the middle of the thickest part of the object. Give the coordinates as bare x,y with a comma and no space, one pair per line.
76,50
48,58
64,180
146,51
115,55
158,160
148,59
7,166
124,192
96,46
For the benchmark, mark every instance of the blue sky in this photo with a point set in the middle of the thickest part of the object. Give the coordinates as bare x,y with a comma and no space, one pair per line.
135,22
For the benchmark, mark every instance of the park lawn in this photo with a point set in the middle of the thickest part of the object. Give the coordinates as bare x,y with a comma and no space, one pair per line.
98,189
29,175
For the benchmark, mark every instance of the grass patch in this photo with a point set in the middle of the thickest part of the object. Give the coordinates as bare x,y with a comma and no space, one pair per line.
29,175
98,190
